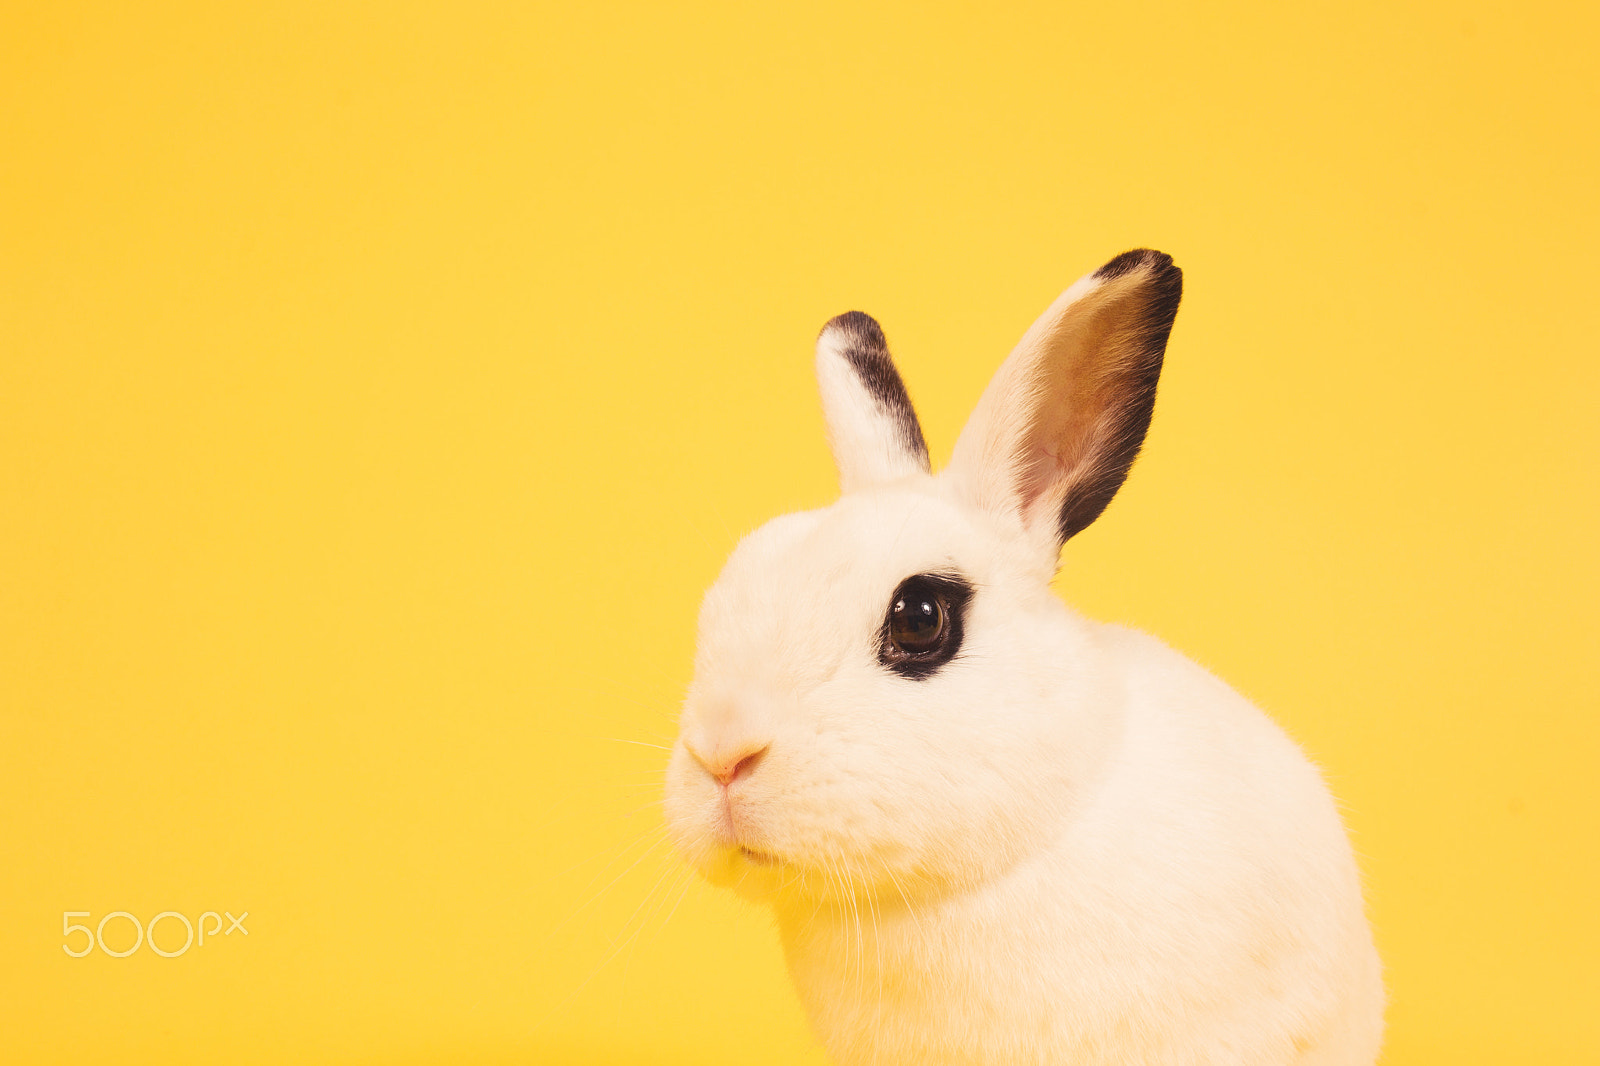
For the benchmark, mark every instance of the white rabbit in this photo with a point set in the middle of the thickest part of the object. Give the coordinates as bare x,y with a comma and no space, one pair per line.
991,830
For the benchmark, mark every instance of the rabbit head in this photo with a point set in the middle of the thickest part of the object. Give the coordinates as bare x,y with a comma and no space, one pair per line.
887,697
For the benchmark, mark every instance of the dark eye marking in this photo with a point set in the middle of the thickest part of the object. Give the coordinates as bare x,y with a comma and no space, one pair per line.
922,626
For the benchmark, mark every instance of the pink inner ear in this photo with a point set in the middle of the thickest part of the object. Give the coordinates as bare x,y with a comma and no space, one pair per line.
1045,469
1087,391
1056,431
1058,436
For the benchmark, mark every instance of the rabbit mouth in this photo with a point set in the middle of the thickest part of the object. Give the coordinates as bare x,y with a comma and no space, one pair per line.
760,858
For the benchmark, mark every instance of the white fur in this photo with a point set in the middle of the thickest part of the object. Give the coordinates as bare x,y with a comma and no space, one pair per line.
1069,845
870,448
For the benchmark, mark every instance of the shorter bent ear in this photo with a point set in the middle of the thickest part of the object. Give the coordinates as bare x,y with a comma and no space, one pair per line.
872,430
1057,429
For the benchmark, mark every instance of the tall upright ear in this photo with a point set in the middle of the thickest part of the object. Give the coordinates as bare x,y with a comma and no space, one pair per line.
872,430
1057,429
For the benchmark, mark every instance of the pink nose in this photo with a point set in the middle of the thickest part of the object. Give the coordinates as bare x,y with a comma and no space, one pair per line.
728,764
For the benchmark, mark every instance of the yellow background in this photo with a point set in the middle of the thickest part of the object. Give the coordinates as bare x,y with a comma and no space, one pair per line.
381,384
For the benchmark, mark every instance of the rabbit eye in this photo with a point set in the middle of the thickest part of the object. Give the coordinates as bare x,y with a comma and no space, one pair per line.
922,630
917,622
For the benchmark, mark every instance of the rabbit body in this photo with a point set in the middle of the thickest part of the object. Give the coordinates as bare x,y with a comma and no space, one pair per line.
992,831
1200,906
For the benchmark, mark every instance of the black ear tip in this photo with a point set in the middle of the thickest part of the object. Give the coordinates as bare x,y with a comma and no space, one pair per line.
1158,264
856,329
